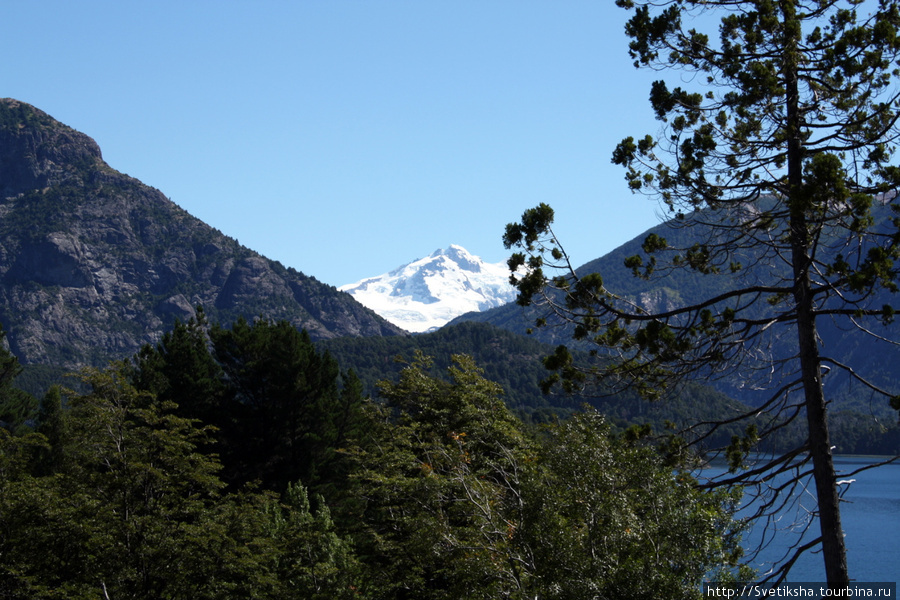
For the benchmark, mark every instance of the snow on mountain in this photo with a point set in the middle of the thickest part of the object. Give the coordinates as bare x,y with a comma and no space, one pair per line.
429,292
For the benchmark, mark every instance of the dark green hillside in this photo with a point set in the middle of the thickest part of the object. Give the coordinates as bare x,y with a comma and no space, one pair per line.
515,362
436,492
511,360
94,264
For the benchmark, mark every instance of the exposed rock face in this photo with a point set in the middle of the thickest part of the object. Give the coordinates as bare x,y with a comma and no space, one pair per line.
93,263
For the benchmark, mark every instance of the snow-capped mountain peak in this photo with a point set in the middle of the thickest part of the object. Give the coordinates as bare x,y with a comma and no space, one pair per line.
429,292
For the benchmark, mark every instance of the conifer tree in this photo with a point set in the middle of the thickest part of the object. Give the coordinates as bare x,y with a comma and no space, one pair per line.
280,407
286,413
182,369
52,423
776,147
17,407
136,510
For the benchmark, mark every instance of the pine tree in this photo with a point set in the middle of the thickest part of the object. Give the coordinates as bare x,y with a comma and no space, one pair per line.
286,412
17,408
780,161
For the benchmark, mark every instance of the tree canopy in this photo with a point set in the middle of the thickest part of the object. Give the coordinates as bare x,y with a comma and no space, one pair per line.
16,407
131,507
118,494
281,407
464,502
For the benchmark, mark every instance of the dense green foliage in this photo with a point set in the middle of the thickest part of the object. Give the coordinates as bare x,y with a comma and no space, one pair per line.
464,504
184,474
130,507
16,406
280,407
514,362
510,360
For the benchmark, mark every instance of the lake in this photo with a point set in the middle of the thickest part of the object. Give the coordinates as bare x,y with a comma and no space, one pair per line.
870,515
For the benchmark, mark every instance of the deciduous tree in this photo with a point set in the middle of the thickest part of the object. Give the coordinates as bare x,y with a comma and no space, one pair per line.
136,510
463,502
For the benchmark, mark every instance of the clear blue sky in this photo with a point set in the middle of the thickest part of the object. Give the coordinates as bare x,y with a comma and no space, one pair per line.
345,138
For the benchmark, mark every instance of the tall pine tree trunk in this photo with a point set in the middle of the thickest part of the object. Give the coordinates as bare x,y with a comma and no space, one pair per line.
833,548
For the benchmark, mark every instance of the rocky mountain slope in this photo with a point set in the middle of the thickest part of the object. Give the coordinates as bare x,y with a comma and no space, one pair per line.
93,263
427,293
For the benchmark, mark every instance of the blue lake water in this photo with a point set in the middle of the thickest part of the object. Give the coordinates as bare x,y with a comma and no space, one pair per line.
870,515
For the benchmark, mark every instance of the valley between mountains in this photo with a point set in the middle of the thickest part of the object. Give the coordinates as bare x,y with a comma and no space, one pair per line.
94,265
171,397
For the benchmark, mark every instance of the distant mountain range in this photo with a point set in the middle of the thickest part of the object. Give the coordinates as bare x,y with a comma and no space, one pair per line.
427,293
94,264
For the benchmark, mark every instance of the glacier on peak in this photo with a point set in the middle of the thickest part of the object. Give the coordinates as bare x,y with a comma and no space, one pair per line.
429,292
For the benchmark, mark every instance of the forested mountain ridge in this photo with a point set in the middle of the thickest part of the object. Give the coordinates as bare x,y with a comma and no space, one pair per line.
94,264
665,290
675,287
